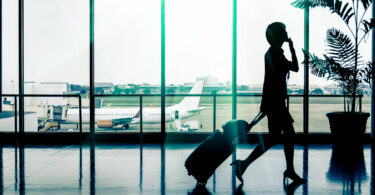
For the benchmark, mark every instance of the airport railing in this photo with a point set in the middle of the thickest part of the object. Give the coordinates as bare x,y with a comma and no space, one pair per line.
15,96
358,96
214,96
141,97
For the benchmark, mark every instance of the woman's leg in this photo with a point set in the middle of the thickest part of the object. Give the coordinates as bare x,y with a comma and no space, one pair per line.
262,146
259,150
288,139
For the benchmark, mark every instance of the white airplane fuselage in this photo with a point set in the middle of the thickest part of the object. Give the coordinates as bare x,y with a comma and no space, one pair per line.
188,107
149,115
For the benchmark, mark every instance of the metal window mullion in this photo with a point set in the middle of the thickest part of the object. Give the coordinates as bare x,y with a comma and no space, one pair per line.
214,114
21,64
80,113
162,66
306,71
92,73
234,61
141,117
15,116
234,80
373,80
1,55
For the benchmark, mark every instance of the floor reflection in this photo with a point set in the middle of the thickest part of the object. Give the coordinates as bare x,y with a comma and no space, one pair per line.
347,166
200,190
80,168
305,174
372,183
22,168
162,163
141,166
328,170
15,167
92,167
1,171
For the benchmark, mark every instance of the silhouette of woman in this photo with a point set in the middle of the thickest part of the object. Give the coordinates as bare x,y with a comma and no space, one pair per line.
280,122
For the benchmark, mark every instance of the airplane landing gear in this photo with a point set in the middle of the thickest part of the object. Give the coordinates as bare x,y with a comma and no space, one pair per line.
125,127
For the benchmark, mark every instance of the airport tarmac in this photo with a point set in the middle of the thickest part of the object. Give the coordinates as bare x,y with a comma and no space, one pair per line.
247,109
318,121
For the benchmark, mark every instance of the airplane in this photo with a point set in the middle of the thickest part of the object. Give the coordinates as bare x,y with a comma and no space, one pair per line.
112,117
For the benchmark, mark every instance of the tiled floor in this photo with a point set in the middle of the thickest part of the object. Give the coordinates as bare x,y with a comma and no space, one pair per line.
159,169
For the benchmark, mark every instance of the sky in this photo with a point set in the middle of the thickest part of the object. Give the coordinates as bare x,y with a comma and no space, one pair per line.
128,40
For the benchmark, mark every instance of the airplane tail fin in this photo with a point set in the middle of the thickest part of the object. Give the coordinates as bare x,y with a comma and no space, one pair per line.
192,102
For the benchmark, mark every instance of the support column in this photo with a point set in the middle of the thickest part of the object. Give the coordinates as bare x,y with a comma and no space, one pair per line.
21,65
306,72
234,61
234,82
1,55
373,81
162,67
92,72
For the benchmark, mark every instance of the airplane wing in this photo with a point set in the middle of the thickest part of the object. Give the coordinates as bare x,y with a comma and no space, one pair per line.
197,110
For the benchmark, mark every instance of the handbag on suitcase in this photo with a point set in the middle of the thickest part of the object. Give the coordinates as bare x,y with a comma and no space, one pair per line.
217,147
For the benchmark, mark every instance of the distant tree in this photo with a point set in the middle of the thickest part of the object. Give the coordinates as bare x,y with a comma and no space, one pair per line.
182,88
317,91
117,90
300,91
75,87
147,91
243,88
170,91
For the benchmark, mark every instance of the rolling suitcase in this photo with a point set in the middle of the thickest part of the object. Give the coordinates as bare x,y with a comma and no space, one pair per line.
217,147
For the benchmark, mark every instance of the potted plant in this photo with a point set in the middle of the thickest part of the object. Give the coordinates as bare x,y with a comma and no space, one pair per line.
343,63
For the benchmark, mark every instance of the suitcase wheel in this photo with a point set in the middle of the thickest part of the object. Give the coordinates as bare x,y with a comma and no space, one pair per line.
201,183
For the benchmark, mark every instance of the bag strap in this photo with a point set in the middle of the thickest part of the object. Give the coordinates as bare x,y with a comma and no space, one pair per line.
255,121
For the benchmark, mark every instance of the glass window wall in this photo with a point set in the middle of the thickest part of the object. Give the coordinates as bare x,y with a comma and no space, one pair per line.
127,62
319,106
128,53
198,49
9,64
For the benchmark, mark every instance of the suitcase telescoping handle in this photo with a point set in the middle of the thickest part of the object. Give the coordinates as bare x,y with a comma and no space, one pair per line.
255,121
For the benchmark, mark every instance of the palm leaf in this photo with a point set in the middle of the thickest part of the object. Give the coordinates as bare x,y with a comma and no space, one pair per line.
340,47
368,26
345,11
328,68
318,66
366,3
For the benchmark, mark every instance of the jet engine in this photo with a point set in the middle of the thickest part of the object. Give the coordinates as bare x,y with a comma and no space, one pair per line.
105,124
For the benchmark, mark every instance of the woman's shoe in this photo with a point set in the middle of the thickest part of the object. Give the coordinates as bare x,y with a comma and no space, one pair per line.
238,169
293,176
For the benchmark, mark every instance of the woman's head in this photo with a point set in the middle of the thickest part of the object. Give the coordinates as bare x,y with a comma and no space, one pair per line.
276,33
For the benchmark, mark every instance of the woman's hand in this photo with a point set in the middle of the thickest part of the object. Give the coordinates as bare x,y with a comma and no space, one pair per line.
291,46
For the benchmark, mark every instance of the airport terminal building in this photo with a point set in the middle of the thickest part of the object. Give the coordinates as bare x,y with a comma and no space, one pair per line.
167,97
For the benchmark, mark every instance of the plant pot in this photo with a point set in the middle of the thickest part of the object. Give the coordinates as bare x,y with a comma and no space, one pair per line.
347,126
